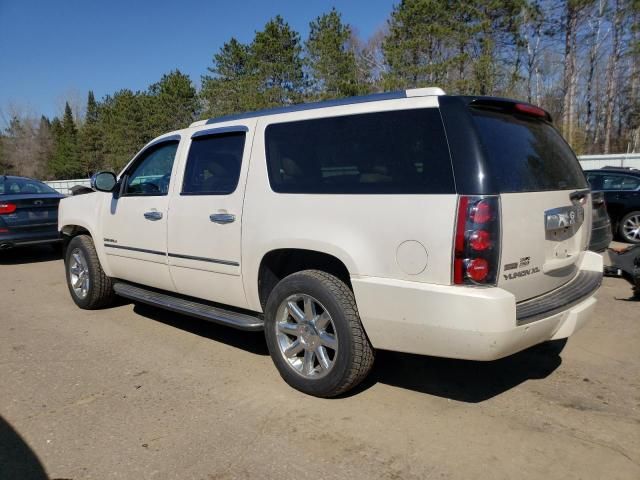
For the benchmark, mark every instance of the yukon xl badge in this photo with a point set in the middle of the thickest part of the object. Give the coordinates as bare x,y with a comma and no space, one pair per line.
521,273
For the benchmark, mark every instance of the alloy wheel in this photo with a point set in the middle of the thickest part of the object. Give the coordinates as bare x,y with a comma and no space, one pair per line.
306,336
631,228
79,273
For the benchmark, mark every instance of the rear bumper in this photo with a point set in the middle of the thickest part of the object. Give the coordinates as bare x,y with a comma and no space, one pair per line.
462,322
12,239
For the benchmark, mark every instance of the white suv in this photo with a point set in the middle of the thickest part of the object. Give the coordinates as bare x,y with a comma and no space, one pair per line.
409,221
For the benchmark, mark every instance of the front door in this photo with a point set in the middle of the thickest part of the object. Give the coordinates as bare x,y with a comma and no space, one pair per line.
135,221
205,216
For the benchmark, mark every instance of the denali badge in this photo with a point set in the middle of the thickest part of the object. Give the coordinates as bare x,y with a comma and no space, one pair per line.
563,217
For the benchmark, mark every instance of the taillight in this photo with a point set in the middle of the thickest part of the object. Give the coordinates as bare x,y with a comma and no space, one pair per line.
477,241
7,208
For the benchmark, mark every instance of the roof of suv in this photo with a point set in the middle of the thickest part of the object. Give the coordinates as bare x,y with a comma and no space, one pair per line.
375,97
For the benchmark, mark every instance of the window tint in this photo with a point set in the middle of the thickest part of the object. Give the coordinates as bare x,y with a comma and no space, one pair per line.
213,164
526,155
619,182
25,186
152,172
385,152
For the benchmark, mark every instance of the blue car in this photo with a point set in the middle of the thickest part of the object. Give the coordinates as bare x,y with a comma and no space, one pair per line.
28,212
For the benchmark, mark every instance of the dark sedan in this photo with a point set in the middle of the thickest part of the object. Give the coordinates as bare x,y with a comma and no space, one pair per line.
28,212
621,187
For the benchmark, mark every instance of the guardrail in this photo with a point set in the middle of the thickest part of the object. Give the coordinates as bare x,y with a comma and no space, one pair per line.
590,162
64,186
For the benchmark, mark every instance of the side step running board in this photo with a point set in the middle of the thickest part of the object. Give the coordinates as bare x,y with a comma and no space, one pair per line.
202,310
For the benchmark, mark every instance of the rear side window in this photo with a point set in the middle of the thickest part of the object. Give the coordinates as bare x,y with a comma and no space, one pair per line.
26,186
526,155
615,182
213,164
401,152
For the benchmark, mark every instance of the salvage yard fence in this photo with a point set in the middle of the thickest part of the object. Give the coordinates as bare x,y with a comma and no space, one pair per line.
588,162
64,186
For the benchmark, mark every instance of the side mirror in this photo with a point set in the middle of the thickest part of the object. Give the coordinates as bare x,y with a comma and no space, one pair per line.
103,181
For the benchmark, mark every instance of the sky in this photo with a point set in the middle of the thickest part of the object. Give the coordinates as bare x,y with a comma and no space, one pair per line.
54,50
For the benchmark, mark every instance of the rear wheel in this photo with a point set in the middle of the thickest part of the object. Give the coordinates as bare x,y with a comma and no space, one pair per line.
629,228
314,334
90,288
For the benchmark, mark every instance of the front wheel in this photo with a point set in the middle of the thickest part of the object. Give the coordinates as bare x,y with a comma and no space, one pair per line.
315,336
630,227
90,288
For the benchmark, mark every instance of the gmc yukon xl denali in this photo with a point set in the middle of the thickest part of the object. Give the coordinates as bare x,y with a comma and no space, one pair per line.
453,226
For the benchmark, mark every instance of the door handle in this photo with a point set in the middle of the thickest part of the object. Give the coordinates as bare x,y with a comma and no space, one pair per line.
153,215
222,218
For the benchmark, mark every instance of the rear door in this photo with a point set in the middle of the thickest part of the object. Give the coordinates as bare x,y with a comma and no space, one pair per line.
545,200
622,194
205,215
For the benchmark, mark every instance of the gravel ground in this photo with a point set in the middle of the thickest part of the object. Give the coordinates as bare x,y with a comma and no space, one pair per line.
136,392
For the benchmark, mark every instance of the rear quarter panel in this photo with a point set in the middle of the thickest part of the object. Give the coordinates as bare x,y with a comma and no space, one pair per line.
363,231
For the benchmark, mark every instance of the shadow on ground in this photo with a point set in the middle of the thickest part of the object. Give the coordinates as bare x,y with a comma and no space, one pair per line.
17,459
33,254
460,380
464,380
252,342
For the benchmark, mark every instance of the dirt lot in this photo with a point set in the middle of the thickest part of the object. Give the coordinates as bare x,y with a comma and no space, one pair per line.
135,392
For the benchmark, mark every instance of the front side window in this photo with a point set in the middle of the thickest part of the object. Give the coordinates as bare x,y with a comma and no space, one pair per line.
151,173
213,164
396,152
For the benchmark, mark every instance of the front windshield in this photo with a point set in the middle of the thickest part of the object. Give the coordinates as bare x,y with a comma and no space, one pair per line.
23,186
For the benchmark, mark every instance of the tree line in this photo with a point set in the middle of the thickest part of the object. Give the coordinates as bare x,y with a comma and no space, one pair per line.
579,59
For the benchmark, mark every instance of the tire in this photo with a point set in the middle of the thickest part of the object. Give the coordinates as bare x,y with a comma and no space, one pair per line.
317,294
81,256
626,227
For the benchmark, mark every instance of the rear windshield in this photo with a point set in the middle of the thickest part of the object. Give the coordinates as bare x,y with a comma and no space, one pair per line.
24,186
526,155
400,152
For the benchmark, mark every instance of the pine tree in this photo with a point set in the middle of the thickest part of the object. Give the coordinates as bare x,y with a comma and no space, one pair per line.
91,141
333,67
277,63
233,85
65,162
173,103
125,125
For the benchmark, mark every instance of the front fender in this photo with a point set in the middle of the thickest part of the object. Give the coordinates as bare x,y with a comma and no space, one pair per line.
84,212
